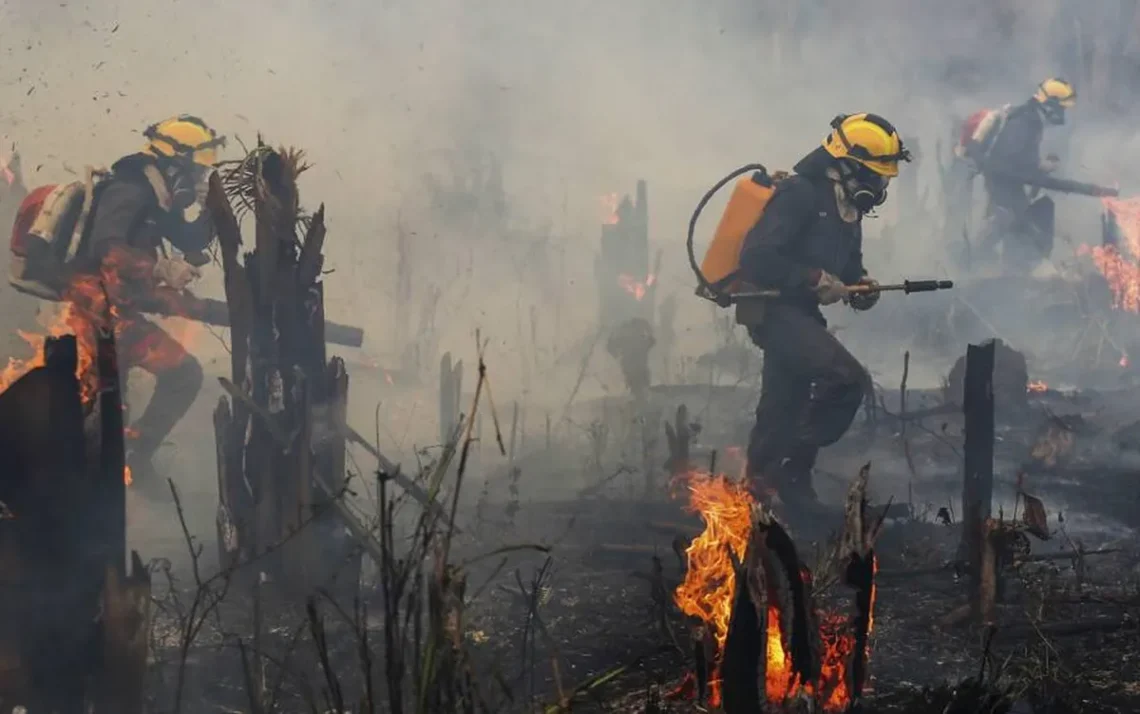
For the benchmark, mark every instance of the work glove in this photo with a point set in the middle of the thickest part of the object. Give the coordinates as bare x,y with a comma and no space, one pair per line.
864,301
829,289
176,274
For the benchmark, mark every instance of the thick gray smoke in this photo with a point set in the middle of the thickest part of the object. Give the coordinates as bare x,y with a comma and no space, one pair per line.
572,99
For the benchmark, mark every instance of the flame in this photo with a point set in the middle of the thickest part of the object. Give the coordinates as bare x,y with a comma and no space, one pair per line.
636,288
1036,387
87,300
609,203
710,582
1118,263
708,592
66,321
127,480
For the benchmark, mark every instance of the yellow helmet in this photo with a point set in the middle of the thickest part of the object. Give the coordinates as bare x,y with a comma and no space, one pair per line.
184,136
1058,91
868,139
1054,96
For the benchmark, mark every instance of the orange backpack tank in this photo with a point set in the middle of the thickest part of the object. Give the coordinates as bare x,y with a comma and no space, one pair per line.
717,273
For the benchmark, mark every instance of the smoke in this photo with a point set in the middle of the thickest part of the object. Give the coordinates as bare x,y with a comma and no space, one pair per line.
571,99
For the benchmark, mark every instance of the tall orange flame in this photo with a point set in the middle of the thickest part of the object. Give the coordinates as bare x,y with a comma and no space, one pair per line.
710,582
1119,263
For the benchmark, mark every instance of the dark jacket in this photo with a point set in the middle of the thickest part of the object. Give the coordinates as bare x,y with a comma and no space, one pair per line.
1016,150
125,211
800,234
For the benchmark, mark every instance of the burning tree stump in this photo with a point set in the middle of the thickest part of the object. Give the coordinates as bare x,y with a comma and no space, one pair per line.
754,598
978,485
276,475
627,288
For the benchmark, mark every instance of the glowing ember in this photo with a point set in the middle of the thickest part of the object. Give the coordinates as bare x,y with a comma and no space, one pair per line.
635,287
1037,387
609,203
710,583
127,476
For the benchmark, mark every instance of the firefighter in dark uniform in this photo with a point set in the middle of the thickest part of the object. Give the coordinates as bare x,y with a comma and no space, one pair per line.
149,196
1011,158
808,245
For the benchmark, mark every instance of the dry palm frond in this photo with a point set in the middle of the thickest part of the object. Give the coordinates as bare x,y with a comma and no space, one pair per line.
244,179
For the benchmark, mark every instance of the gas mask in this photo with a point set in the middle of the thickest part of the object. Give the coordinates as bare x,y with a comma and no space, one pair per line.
865,189
1053,112
188,226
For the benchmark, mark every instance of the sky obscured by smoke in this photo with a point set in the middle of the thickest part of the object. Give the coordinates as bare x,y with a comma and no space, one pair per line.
575,98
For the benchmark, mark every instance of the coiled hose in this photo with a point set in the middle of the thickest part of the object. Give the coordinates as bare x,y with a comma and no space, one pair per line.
704,288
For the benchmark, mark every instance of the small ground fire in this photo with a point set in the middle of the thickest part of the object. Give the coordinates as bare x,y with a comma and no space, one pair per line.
708,592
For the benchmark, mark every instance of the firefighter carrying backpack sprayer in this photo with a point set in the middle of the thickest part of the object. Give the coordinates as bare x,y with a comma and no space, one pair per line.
717,275
47,232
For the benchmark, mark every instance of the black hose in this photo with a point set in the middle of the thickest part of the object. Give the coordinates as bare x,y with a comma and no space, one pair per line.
704,288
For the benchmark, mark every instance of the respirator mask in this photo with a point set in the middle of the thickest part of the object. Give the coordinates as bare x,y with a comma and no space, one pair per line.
189,227
1053,112
865,189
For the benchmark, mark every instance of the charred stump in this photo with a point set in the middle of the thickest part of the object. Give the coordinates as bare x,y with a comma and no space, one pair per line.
74,622
859,574
280,443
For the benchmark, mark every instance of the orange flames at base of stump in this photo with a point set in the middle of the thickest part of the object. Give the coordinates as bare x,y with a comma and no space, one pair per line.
708,592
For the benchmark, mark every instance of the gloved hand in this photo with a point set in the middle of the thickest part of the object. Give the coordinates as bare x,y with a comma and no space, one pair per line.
864,301
176,274
829,289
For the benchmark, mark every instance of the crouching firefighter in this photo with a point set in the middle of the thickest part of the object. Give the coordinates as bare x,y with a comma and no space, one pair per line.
73,242
799,239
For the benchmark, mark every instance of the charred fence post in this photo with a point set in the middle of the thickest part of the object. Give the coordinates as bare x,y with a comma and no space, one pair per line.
978,485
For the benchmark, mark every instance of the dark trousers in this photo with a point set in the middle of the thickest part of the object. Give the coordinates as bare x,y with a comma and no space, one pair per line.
812,387
1020,226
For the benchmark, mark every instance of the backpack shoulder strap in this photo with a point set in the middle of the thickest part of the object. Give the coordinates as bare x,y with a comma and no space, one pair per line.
92,177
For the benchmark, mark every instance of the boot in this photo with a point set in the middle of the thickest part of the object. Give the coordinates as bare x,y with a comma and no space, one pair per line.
794,481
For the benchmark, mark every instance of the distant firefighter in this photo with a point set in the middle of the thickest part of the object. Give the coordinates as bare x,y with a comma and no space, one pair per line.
69,242
1004,145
